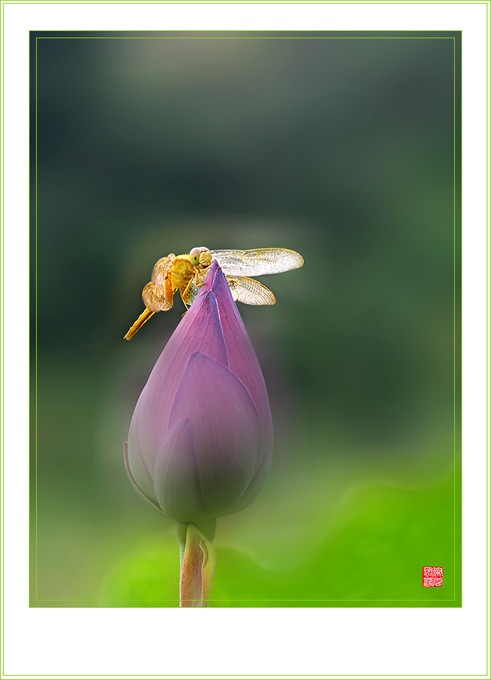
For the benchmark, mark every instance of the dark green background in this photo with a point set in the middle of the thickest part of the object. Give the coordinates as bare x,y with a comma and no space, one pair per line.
340,146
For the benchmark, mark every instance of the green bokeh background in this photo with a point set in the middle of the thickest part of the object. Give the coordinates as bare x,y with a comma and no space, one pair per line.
340,146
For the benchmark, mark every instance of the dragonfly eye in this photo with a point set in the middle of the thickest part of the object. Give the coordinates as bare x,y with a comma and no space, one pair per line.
200,256
205,258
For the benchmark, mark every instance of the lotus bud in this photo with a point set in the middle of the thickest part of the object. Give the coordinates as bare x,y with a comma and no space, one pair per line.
200,440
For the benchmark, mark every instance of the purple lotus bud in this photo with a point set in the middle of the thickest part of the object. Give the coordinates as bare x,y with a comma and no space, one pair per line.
200,439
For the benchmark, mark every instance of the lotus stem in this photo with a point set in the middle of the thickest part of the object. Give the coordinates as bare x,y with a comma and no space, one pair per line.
197,566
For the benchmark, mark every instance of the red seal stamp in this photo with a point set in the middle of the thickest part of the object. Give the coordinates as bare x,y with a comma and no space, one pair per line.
432,576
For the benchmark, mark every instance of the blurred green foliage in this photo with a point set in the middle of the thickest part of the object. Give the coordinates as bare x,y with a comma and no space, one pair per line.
371,557
340,149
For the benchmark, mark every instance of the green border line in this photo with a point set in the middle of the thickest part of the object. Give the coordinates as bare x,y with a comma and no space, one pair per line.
487,268
488,348
258,2
2,328
402,602
454,322
36,317
238,37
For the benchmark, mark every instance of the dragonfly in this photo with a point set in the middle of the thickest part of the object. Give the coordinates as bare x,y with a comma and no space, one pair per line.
186,273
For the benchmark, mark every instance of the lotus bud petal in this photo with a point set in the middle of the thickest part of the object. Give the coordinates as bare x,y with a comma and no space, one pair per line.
200,439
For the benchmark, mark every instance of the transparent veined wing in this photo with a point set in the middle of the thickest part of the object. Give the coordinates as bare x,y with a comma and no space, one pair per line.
258,261
249,291
162,269
155,298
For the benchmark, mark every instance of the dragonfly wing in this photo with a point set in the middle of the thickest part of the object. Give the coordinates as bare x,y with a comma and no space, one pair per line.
249,291
162,269
155,298
257,262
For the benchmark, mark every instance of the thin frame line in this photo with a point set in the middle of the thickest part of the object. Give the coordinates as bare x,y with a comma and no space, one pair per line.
488,349
256,30
36,313
454,354
254,675
36,274
487,266
252,37
271,599
259,2
3,349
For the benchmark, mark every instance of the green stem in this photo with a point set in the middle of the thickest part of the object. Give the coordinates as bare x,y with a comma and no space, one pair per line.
197,563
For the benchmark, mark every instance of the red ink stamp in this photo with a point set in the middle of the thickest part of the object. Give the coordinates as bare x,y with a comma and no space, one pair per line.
432,576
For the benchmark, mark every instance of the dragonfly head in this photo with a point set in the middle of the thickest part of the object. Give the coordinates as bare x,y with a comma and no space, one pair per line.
200,256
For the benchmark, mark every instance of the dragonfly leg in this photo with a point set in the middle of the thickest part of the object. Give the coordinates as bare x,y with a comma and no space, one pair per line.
200,278
185,292
187,308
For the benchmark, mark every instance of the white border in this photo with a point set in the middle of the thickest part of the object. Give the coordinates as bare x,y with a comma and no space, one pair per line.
243,641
